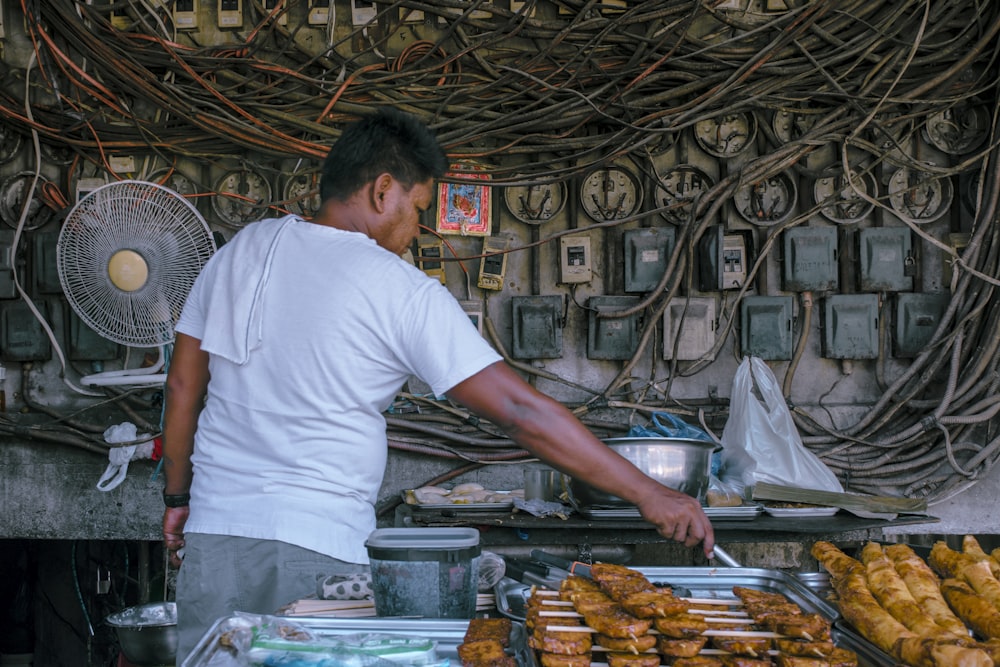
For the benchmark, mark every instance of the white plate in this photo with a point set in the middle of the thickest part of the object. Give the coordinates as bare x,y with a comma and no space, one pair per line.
800,512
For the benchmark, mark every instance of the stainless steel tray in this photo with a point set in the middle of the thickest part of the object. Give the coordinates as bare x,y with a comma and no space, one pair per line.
717,583
746,512
448,633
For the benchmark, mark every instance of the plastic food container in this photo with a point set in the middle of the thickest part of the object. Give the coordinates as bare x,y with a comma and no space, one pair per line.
425,572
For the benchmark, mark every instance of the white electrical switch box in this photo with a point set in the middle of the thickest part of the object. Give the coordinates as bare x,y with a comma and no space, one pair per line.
427,250
575,263
230,13
734,261
319,12
362,12
186,14
282,14
474,309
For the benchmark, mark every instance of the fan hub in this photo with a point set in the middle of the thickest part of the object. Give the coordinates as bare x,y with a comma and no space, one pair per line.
128,270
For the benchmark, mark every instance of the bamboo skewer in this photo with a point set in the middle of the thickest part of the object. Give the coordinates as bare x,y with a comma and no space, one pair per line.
708,619
706,633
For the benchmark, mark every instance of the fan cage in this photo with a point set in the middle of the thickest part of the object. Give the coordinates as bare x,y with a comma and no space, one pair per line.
161,227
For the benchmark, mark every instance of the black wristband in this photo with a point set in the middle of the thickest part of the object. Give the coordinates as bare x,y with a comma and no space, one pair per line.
176,500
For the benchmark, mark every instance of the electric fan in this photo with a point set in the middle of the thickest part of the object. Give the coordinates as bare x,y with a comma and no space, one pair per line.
127,256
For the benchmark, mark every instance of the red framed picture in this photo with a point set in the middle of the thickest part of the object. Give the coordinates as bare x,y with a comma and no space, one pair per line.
465,207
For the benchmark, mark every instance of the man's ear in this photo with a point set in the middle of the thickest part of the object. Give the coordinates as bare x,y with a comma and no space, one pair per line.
380,189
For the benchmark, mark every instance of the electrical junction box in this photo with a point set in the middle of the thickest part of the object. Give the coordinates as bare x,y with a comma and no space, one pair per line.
810,259
7,288
22,337
429,247
474,309
85,344
688,326
575,263
538,325
186,14
886,259
230,13
724,259
615,338
647,251
917,317
362,12
766,330
494,263
850,326
46,273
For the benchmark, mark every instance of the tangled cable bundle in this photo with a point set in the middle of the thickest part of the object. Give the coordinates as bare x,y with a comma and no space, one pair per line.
542,96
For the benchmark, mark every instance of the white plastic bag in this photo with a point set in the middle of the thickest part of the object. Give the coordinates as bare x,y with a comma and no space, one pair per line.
760,436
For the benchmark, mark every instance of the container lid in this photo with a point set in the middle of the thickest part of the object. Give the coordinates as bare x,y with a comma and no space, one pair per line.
423,538
420,544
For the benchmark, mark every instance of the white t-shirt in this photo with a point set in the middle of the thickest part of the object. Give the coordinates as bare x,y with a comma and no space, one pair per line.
291,445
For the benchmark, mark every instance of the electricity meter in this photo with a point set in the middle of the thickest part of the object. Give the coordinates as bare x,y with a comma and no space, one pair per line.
537,203
919,196
241,196
677,190
610,193
10,143
958,129
493,264
174,180
13,194
767,201
319,12
842,199
301,193
726,135
363,12
789,124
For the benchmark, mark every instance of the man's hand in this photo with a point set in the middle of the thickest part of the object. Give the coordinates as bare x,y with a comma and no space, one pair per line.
174,519
679,517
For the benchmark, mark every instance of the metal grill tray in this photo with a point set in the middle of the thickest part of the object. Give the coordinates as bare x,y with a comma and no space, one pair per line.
747,512
448,633
717,583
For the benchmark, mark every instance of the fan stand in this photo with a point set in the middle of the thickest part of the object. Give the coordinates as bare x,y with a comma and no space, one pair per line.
129,376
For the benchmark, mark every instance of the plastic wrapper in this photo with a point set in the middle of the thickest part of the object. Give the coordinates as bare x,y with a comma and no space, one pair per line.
491,570
723,494
271,641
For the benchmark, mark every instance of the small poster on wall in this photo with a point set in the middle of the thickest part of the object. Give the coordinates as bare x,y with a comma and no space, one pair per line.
465,207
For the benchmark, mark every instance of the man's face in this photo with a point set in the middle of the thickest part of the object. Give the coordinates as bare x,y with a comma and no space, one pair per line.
403,209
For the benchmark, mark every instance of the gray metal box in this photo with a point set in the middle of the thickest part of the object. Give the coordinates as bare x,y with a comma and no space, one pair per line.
886,259
767,326
85,344
46,274
22,337
612,337
647,251
537,326
810,259
850,326
917,318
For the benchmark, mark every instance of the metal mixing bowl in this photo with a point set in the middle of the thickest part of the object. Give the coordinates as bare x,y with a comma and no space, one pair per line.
679,463
147,633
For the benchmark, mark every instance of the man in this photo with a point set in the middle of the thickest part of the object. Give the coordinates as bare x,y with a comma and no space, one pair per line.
295,339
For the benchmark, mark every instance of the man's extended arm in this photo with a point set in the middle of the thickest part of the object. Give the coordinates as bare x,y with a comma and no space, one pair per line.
548,429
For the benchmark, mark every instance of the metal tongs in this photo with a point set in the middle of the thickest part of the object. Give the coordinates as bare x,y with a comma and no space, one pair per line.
724,557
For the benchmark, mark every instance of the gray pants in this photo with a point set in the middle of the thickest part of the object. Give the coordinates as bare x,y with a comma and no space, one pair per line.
223,574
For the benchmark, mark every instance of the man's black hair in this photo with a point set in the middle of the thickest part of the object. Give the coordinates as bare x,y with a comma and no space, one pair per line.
387,141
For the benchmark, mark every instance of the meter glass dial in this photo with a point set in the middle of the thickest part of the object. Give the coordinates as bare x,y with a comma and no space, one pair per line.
175,180
610,193
301,193
919,196
10,143
242,196
768,201
677,189
727,135
841,198
535,204
12,196
958,129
